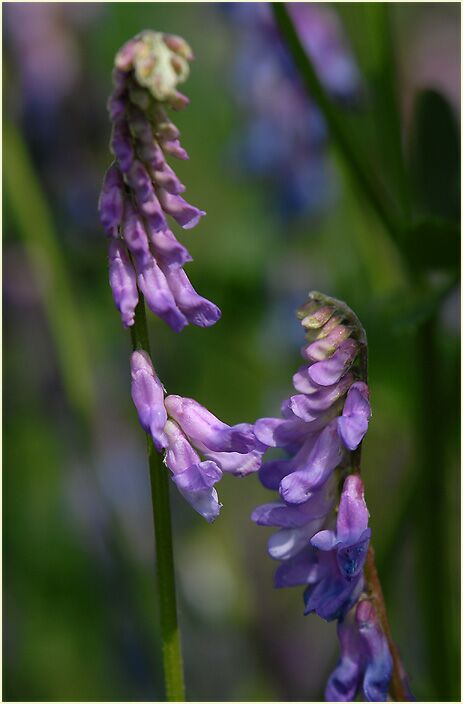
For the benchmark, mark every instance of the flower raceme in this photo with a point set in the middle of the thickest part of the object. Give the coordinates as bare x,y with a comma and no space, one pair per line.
185,430
140,190
323,539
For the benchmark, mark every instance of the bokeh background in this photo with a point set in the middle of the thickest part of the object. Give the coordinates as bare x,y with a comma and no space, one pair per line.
284,216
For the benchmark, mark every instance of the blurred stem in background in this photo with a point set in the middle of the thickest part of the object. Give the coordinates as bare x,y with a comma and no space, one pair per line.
35,225
170,634
429,505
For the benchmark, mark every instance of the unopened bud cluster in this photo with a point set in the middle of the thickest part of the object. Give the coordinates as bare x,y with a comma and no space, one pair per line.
322,539
140,190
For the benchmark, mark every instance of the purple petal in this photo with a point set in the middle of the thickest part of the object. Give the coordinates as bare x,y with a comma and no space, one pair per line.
159,298
352,520
344,682
284,515
271,473
308,408
149,206
353,424
287,542
121,145
331,370
199,424
277,432
197,310
299,569
318,318
135,234
168,250
240,465
303,383
322,349
173,148
325,456
168,180
324,540
185,214
148,397
351,558
332,597
123,282
111,202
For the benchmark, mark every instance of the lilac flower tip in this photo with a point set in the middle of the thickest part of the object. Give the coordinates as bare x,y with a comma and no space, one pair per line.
194,220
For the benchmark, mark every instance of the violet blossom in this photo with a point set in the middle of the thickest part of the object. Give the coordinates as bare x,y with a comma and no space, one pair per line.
141,191
322,539
187,431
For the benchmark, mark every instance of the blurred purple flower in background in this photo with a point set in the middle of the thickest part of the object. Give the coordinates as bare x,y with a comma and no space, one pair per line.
322,548
285,137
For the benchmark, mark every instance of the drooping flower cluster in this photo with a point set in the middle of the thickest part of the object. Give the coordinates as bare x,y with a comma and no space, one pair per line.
321,545
186,430
285,136
140,189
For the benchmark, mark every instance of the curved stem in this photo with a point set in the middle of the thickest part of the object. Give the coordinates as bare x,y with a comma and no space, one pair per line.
170,633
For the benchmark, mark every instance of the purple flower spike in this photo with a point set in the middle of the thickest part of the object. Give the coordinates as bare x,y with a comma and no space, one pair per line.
197,310
123,282
353,424
331,370
111,203
194,479
148,397
185,214
159,298
202,426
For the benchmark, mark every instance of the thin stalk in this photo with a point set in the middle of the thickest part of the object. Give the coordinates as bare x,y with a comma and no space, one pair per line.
353,154
170,633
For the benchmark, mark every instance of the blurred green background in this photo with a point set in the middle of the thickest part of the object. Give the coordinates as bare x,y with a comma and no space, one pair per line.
80,611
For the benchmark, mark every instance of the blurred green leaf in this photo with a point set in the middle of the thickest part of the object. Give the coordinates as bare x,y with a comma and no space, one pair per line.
408,310
434,156
434,243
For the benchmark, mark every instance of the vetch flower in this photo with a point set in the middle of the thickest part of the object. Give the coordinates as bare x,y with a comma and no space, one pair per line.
188,432
319,547
141,190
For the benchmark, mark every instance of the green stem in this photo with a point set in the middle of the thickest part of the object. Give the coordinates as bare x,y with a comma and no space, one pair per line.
352,153
170,634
